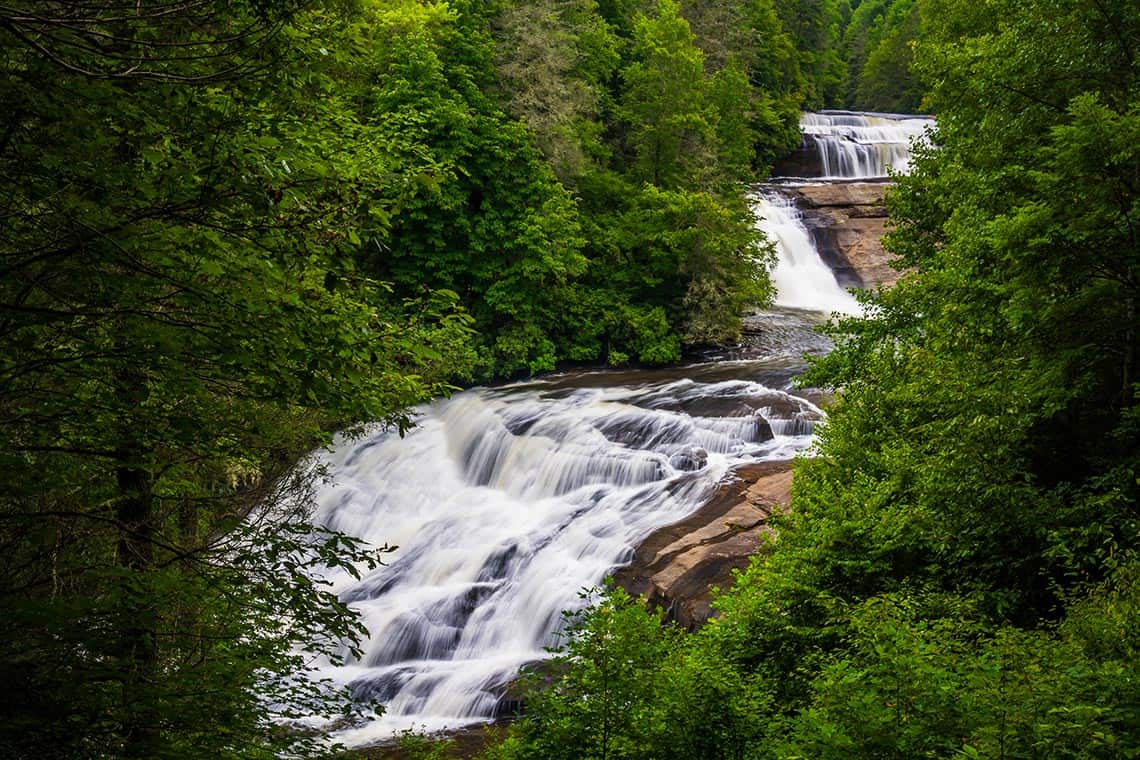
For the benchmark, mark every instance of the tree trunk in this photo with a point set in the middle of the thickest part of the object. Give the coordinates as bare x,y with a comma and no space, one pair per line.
138,613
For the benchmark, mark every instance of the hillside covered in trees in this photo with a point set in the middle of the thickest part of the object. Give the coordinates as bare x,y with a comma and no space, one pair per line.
231,228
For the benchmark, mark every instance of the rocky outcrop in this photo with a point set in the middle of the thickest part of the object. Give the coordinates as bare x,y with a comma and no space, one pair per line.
678,566
847,221
804,161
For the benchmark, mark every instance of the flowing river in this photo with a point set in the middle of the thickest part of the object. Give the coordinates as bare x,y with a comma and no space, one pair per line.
505,502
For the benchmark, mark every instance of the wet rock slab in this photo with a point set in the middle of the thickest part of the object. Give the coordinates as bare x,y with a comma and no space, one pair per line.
677,567
847,221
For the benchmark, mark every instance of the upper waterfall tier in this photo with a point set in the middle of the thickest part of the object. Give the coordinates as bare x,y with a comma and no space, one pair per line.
845,145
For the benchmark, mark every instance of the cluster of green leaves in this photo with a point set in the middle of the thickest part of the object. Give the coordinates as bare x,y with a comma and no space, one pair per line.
958,573
817,27
625,685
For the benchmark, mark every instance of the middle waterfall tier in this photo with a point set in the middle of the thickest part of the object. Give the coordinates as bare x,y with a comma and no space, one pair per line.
801,278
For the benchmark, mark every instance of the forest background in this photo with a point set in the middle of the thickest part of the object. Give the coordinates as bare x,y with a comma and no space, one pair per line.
230,228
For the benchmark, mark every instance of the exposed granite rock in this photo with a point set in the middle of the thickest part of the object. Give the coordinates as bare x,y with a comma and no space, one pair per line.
867,196
847,221
677,566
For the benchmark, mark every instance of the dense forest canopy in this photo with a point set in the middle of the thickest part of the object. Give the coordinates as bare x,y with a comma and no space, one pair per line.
231,228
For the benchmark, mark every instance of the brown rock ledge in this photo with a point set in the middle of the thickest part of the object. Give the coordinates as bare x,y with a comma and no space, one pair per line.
677,566
847,221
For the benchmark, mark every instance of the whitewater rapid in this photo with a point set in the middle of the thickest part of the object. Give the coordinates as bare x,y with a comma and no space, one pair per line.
505,504
801,278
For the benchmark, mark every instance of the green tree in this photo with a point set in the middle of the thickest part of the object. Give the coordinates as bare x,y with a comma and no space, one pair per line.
879,43
748,35
663,102
492,223
555,61
627,685
599,707
815,26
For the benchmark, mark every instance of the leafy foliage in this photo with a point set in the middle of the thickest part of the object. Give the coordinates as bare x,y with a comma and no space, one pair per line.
816,27
655,146
879,42
537,126
626,685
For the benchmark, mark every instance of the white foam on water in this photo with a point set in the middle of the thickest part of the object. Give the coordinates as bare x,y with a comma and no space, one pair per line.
505,504
862,146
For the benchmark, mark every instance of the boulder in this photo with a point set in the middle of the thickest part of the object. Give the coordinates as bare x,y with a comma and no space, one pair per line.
678,566
690,459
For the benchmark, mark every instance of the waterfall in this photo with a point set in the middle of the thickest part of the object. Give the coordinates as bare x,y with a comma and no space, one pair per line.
853,146
802,279
505,503
837,146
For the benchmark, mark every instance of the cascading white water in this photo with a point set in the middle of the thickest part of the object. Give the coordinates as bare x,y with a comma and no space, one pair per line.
848,146
802,279
505,503
854,146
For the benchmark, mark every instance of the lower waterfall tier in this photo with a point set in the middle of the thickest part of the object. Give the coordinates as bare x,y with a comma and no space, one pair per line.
505,504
